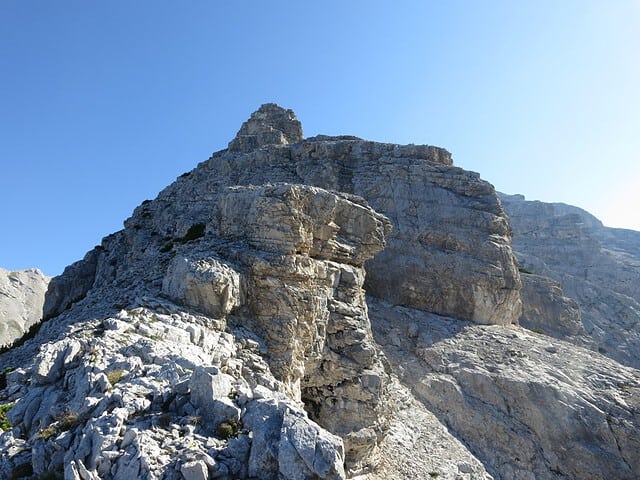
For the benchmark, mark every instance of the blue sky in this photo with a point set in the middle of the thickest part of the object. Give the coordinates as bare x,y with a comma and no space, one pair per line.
104,103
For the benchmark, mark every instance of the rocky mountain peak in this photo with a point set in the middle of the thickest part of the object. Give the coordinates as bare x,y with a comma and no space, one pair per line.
269,125
321,308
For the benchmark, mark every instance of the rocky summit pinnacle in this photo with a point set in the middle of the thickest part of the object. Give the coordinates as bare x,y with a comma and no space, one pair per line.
269,125
329,308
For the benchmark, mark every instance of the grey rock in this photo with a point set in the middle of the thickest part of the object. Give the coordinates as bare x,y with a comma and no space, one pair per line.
526,408
72,286
204,284
21,300
596,266
306,451
196,470
54,358
206,387
547,310
449,250
240,293
264,419
269,125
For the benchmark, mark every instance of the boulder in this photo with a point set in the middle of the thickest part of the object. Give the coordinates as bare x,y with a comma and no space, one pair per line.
22,295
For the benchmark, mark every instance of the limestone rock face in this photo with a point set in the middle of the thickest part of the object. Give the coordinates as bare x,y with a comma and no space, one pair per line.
72,286
204,284
527,406
280,267
21,300
449,250
548,311
225,332
598,267
269,125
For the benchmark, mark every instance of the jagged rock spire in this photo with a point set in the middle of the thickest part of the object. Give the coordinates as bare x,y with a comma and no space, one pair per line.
269,125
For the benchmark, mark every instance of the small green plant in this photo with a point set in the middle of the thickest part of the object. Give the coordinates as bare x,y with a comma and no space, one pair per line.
114,376
4,421
538,330
48,432
434,474
229,428
67,421
195,420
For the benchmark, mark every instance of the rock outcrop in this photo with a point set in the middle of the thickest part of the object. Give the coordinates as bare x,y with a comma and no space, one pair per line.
449,251
528,406
225,333
295,282
597,267
22,295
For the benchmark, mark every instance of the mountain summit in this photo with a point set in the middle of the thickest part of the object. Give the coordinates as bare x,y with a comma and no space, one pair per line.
320,308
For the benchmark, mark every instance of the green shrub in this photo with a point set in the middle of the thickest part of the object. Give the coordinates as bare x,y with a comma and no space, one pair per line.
114,376
4,421
67,421
230,428
48,432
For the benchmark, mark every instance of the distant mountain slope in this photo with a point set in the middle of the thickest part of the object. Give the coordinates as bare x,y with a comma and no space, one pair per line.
598,267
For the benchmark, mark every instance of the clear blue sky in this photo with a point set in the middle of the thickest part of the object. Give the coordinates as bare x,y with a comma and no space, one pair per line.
103,103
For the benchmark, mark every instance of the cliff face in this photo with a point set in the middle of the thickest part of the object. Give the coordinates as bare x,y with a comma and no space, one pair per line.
225,332
21,300
597,267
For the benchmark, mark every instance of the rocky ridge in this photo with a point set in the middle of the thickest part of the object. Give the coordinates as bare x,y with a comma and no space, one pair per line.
591,272
225,333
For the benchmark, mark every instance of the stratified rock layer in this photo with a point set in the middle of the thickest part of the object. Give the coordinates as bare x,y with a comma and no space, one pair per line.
597,267
529,407
449,250
283,265
224,333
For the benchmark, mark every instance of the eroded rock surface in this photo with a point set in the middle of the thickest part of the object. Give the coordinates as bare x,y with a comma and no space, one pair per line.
225,332
142,362
449,251
529,407
596,266
21,300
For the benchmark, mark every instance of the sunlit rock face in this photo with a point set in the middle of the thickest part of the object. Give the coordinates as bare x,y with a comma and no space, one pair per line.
278,313
596,267
21,300
529,406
